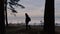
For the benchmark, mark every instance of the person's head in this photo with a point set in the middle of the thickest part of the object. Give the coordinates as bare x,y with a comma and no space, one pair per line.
25,13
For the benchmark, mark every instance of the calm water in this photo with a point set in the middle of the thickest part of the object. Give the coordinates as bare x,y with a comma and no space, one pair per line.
33,20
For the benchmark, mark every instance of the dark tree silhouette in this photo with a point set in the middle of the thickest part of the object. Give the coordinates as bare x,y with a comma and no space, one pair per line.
11,3
2,23
49,19
5,8
15,2
14,11
27,20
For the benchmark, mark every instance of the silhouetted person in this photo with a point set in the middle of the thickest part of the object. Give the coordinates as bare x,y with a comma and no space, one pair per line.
27,20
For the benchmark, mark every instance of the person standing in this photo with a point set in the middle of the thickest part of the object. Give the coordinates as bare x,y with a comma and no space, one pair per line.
27,20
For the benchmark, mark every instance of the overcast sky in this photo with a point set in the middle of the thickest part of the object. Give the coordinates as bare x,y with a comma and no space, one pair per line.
34,8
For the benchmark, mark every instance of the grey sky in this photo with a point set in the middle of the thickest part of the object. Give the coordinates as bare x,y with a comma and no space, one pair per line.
57,8
34,8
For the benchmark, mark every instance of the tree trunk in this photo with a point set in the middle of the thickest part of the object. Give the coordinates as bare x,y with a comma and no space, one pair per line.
49,20
2,23
6,19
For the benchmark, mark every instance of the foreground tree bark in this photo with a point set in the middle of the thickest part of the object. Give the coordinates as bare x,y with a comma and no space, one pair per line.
49,26
2,23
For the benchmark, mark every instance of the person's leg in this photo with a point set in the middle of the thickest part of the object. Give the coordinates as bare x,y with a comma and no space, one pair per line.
29,27
26,25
